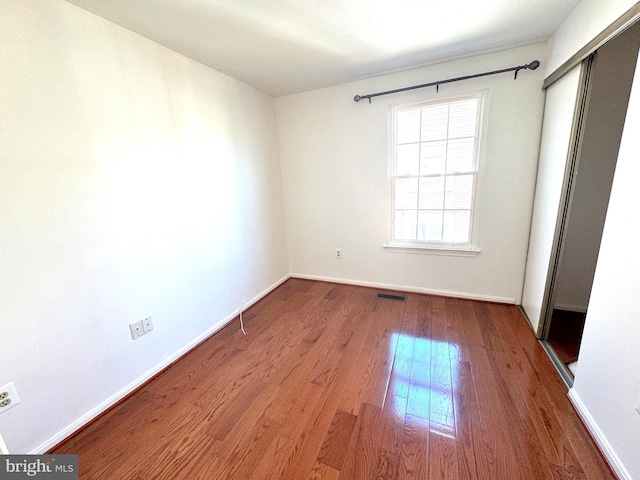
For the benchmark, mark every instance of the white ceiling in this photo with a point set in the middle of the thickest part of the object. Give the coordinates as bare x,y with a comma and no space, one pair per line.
289,46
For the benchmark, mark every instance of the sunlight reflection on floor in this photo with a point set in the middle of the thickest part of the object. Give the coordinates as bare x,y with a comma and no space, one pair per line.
424,380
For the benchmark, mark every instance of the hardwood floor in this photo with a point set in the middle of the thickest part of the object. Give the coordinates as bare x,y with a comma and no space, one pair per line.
565,334
333,383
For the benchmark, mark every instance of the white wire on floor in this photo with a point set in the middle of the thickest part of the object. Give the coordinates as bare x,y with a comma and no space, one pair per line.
242,324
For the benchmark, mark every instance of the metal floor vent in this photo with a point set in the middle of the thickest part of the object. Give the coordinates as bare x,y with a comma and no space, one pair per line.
388,296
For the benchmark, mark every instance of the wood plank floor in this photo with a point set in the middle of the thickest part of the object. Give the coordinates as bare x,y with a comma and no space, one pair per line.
565,334
333,383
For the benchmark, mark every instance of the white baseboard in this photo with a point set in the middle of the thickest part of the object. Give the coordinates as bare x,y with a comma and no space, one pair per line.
115,398
604,445
570,308
405,288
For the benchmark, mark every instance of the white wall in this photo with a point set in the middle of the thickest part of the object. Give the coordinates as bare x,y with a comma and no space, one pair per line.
588,19
611,83
335,176
133,181
607,383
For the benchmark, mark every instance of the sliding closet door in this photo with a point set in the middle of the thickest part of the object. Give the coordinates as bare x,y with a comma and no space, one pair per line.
557,140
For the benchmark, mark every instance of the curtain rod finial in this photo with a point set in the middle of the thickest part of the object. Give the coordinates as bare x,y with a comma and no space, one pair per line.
357,98
533,65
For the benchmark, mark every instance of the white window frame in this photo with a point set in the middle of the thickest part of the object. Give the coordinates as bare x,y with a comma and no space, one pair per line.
470,248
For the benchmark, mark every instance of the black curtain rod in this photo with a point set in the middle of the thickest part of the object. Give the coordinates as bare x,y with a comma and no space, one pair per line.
531,66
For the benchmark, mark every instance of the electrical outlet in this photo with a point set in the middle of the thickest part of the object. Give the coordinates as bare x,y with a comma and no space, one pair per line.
8,397
147,325
137,330
338,253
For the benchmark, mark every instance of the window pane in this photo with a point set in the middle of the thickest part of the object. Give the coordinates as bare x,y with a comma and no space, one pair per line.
432,158
431,193
434,122
429,226
460,155
459,191
456,226
462,118
406,193
435,168
405,225
407,159
408,126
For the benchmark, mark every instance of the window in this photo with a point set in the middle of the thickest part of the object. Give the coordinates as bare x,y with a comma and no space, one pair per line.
434,150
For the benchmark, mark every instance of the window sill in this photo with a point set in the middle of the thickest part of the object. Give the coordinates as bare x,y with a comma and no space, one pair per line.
447,249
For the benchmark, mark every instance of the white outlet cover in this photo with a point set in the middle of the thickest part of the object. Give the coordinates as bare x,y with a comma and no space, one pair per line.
137,330
147,324
12,394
